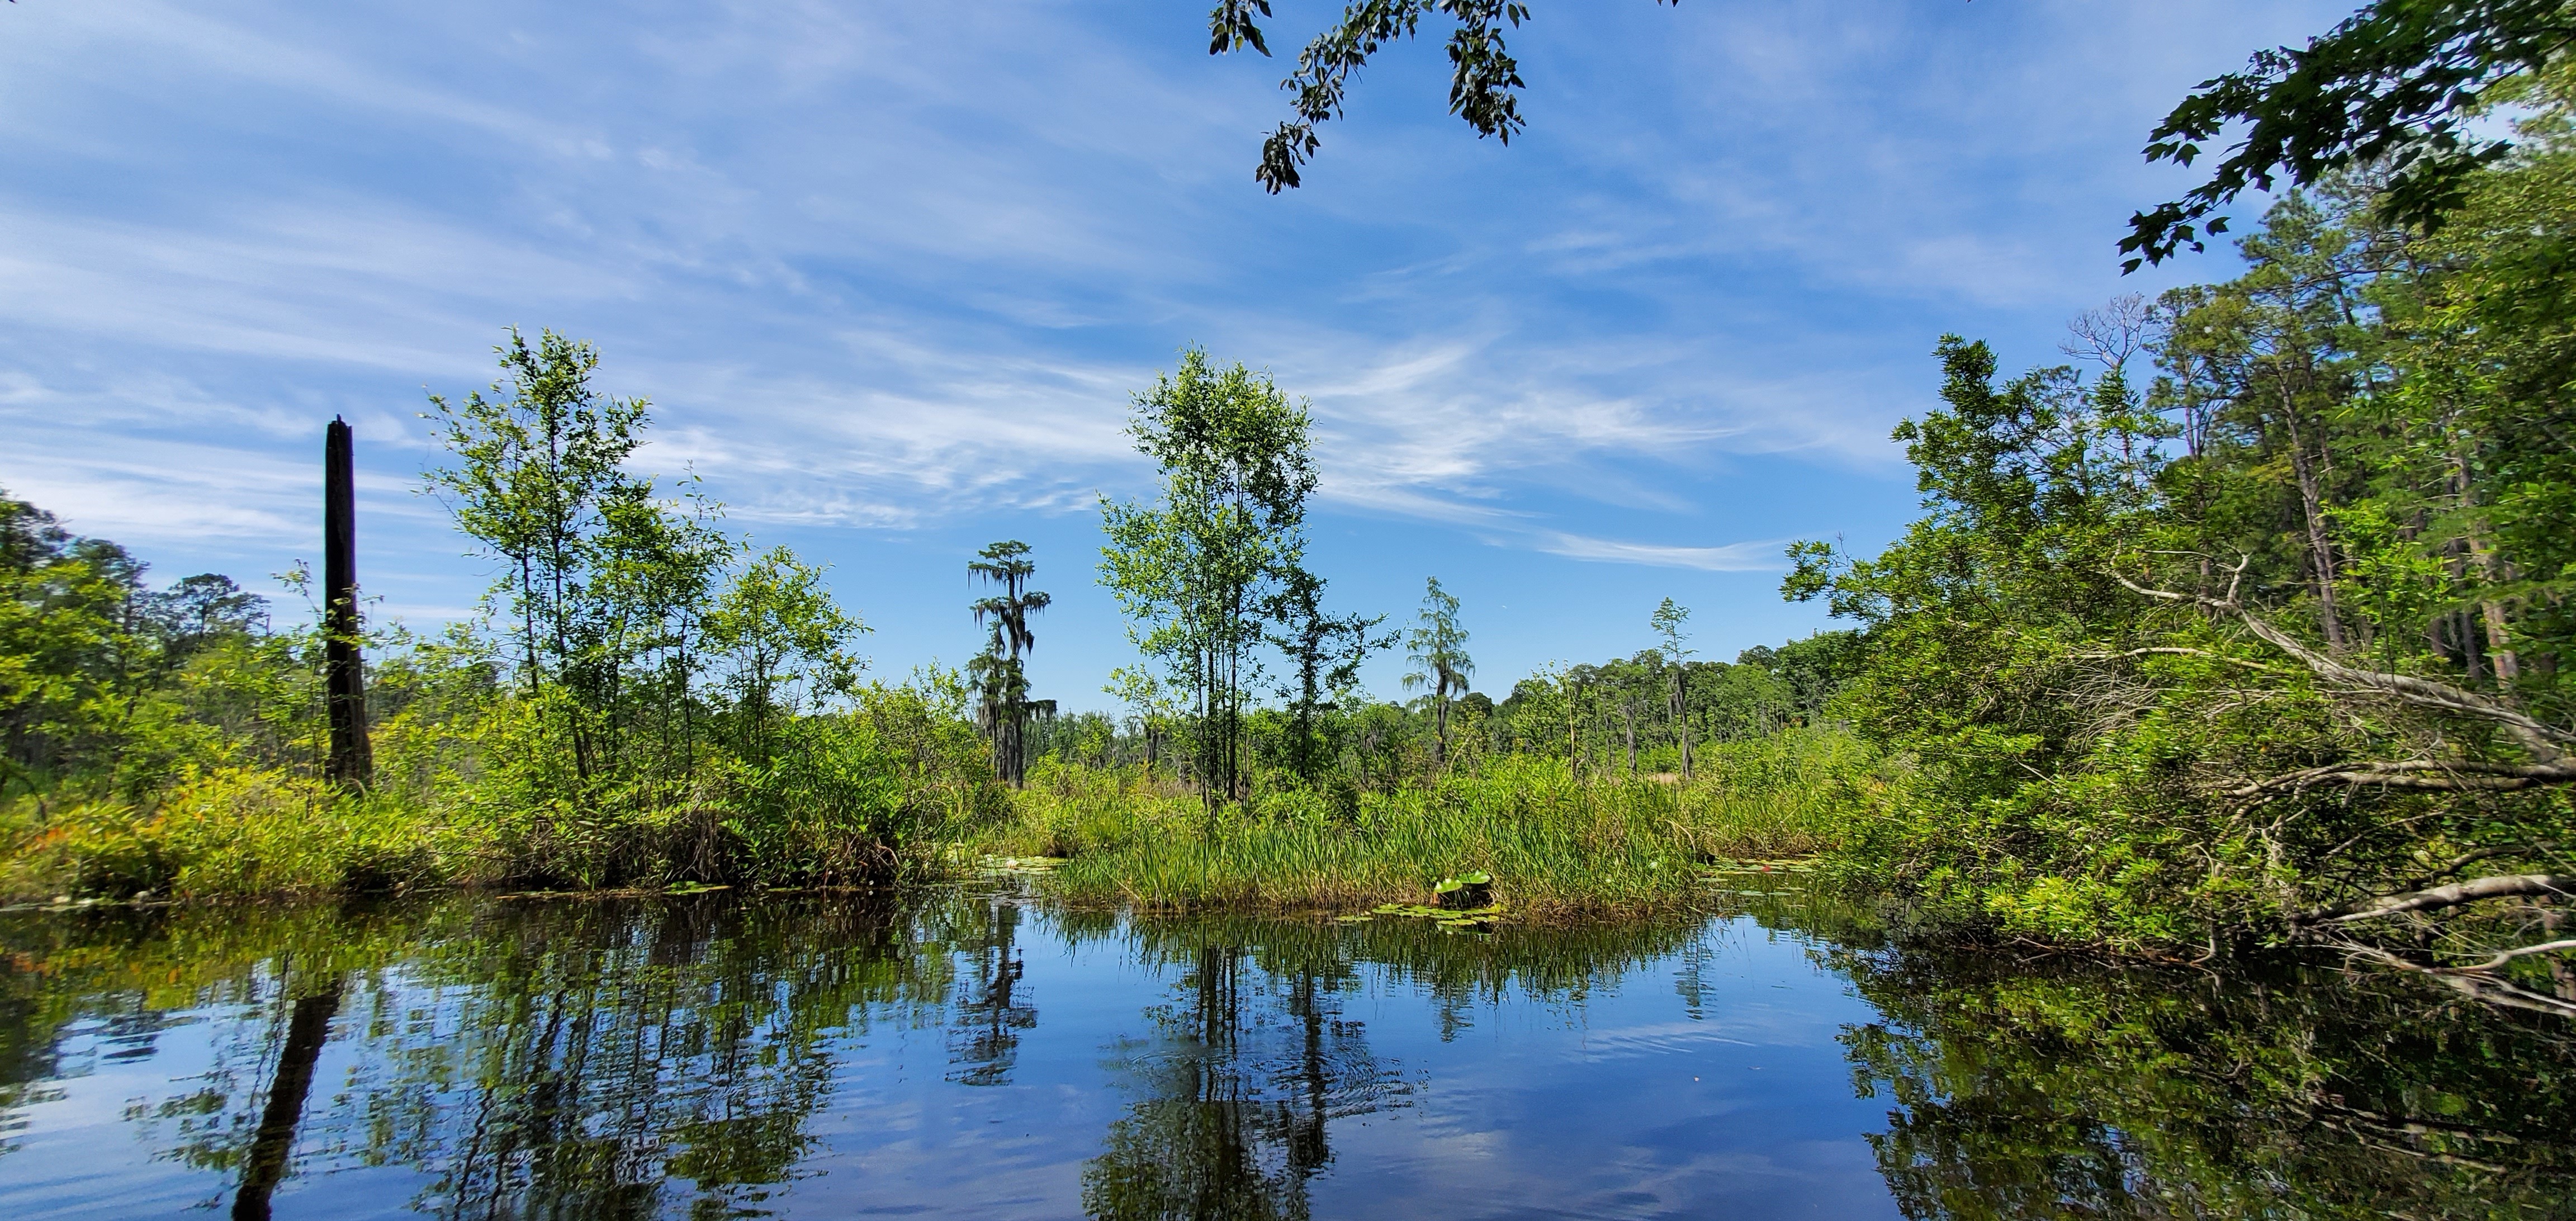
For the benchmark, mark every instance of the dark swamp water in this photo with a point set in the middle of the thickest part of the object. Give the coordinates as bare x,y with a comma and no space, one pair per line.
967,1052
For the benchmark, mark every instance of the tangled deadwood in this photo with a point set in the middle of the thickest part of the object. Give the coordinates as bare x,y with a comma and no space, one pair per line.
2441,925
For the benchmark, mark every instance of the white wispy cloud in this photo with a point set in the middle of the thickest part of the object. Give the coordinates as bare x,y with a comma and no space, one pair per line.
1760,556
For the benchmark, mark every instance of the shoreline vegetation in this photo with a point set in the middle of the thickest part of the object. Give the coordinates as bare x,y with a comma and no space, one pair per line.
1557,848
1553,846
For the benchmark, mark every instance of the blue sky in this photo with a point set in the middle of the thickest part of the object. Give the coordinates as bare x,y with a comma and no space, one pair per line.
890,271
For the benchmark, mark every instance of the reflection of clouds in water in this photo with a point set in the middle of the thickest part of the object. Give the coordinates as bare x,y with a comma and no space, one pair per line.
803,1055
1764,1131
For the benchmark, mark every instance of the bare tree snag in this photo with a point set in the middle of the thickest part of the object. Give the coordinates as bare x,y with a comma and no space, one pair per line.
352,762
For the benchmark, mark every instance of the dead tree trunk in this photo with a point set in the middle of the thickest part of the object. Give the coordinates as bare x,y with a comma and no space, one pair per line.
352,763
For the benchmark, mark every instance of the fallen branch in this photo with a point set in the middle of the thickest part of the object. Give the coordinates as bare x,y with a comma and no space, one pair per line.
2505,956
2546,742
2428,775
2178,651
2466,859
2477,986
2500,886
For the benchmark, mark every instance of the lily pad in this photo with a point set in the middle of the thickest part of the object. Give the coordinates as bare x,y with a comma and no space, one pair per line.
1474,888
1441,915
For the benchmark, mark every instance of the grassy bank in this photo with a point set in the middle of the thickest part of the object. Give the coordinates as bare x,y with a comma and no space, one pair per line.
1554,846
230,833
876,795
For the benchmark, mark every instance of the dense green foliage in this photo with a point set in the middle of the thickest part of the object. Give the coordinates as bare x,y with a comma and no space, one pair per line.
647,700
2273,639
2397,87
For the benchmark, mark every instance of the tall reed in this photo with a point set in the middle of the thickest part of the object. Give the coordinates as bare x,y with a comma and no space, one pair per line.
1553,843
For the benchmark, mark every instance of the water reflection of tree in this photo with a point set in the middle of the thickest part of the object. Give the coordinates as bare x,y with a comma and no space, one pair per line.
1235,1099
111,978
616,1051
2109,1093
290,1085
990,1017
592,1059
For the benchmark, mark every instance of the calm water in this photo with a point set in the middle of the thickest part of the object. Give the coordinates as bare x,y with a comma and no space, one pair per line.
968,1052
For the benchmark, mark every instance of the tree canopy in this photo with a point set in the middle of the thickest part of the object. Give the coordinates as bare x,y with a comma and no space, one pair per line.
2396,90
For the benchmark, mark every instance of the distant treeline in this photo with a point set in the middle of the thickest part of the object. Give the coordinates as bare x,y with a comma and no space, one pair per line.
1616,705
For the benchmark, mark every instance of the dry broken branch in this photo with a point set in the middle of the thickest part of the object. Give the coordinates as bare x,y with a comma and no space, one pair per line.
2546,743
2427,775
2500,886
2504,956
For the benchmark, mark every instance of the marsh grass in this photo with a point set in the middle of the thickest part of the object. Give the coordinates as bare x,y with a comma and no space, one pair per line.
1555,845
230,832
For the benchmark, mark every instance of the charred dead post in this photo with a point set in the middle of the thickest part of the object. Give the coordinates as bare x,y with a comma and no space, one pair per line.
352,763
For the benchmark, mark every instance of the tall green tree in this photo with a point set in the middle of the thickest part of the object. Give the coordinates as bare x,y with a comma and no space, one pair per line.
1000,674
1670,622
1437,647
659,578
538,463
1198,569
1325,652
787,644
605,582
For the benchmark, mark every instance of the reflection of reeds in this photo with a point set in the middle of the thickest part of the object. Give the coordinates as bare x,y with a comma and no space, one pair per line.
1547,961
1553,844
